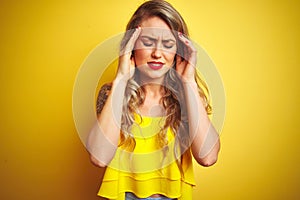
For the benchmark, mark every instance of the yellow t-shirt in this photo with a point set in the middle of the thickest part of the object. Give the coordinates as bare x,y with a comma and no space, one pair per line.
148,170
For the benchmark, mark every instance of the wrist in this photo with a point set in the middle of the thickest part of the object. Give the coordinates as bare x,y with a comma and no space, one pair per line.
189,82
187,85
119,81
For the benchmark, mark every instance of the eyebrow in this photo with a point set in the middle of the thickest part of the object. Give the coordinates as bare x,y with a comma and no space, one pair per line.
154,39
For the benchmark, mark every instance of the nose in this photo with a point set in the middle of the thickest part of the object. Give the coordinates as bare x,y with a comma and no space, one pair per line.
156,52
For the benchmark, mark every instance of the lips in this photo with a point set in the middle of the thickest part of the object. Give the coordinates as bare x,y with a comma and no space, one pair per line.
155,65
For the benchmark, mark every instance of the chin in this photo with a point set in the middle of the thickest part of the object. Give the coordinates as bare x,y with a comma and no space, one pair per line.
153,76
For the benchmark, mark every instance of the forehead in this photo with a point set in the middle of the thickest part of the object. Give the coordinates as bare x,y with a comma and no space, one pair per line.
156,27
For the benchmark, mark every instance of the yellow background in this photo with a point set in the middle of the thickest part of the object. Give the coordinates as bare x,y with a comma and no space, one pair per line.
254,44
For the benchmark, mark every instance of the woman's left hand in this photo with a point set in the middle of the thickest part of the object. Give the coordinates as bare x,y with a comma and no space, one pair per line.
186,64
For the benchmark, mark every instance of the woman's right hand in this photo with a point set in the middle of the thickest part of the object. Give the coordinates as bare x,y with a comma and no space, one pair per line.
103,139
126,65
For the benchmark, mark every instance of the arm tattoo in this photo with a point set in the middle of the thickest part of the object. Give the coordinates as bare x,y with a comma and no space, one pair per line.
102,97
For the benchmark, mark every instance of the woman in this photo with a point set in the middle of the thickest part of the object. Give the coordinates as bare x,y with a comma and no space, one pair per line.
153,117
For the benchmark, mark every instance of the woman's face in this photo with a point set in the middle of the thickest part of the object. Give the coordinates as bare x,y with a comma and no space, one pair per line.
155,49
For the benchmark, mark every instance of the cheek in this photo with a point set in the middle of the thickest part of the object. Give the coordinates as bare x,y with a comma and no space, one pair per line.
141,55
170,56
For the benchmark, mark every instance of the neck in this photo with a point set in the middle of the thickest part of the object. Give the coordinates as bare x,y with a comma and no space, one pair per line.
152,105
153,89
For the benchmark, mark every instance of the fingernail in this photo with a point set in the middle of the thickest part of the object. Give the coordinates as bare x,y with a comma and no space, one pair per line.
138,27
180,34
187,42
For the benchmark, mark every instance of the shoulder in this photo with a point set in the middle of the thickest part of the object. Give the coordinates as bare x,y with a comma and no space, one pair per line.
102,96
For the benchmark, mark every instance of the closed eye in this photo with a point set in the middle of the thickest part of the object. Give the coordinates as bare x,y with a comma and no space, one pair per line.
168,44
147,42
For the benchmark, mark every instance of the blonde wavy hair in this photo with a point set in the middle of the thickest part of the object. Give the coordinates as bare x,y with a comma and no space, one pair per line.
173,98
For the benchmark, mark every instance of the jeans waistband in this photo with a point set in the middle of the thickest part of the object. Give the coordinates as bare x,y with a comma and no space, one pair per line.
131,196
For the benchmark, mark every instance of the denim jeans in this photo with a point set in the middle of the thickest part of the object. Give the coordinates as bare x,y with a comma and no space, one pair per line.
131,196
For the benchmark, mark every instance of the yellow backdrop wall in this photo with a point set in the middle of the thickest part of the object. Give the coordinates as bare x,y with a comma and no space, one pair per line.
254,44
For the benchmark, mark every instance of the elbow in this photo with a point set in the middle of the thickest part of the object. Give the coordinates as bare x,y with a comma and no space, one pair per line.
97,162
207,161
99,148
208,156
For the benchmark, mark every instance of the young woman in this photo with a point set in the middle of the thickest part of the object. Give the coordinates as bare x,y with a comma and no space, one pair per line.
154,115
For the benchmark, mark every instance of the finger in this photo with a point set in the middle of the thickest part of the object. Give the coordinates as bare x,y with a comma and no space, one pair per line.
187,42
191,53
131,42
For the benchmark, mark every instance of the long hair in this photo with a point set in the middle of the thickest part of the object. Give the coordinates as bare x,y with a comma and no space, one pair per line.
173,98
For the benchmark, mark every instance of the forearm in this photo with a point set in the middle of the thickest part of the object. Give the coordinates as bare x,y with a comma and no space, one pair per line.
205,139
104,137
